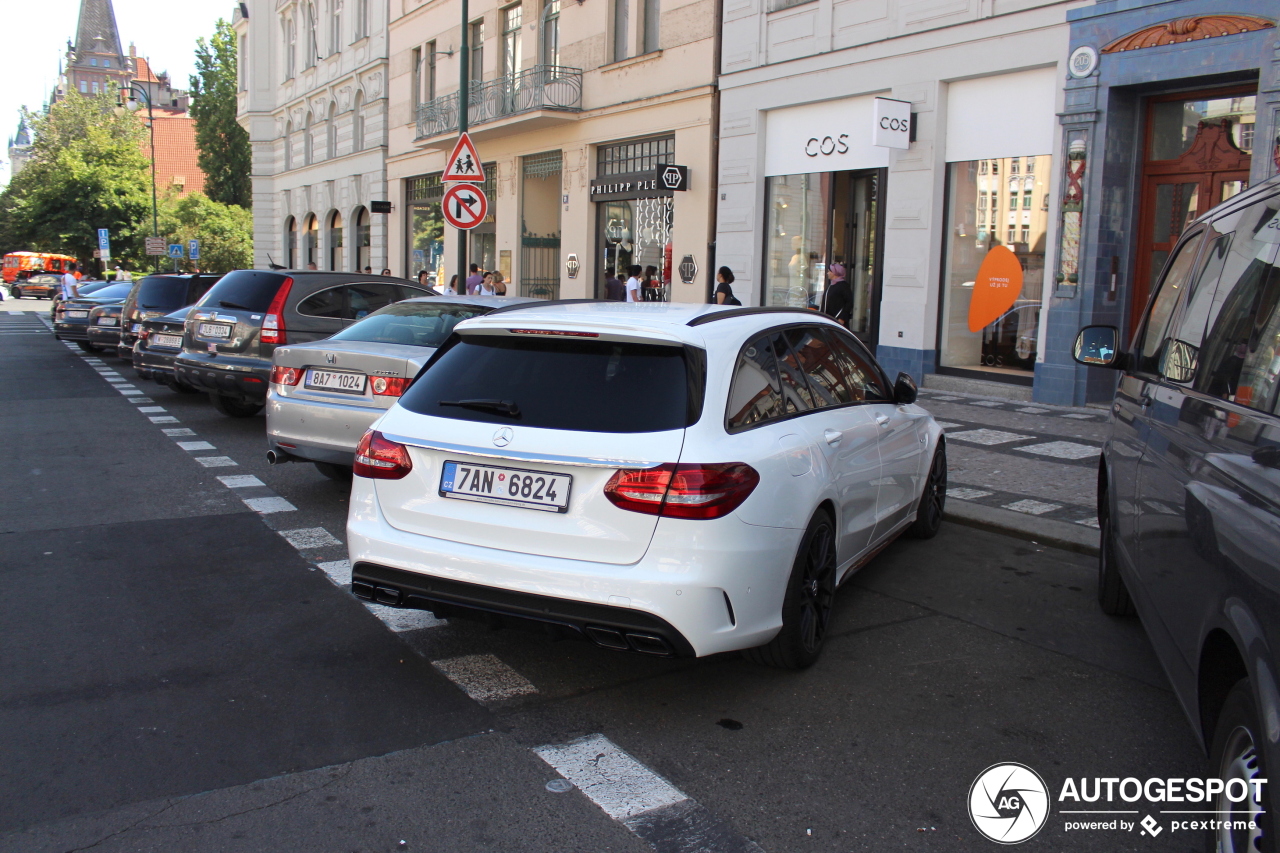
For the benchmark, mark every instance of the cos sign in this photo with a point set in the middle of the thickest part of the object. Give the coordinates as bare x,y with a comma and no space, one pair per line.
891,123
827,145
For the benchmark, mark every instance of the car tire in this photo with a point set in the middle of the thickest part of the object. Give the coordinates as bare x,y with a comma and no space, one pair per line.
1239,752
182,388
233,408
88,347
808,603
337,473
1113,595
933,498
15,292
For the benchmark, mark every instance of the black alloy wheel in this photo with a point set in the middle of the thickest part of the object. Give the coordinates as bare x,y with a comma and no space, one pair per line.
1236,754
15,292
808,602
933,498
1113,595
233,408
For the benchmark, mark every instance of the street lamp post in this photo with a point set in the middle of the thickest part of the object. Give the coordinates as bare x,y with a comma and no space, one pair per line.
151,125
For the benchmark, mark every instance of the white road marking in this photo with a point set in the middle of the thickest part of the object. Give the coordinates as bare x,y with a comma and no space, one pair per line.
239,481
402,619
339,571
127,392
1062,450
485,678
213,461
196,445
986,436
174,433
987,403
137,400
612,779
17,312
943,398
946,425
1089,522
147,410
309,537
163,419
266,506
963,494
1079,417
1031,507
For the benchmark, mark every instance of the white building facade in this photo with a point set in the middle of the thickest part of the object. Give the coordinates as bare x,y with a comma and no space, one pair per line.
804,186
313,80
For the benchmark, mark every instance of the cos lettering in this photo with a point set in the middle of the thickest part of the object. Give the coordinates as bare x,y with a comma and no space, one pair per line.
827,145
900,125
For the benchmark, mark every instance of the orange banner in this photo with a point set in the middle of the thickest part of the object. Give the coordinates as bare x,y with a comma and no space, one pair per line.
997,287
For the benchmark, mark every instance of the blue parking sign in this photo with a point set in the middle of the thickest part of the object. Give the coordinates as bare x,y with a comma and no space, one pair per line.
104,243
175,250
193,249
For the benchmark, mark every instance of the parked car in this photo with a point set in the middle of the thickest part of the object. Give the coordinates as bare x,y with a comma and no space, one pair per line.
158,342
671,479
1189,491
230,338
71,316
39,285
324,395
156,296
104,326
84,287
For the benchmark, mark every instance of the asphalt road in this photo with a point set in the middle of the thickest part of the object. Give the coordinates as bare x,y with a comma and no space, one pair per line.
175,674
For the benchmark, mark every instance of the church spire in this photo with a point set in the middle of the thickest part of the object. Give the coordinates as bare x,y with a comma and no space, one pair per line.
97,31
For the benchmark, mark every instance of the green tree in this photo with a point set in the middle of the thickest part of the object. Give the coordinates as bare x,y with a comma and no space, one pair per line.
223,143
225,231
88,172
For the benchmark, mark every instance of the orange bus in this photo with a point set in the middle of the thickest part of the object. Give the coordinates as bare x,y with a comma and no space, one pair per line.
18,266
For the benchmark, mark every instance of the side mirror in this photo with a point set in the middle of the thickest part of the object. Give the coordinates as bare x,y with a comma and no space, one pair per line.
904,389
1097,346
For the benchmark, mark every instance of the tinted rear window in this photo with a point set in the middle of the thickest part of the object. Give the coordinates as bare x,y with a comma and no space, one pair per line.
585,386
111,291
159,293
251,290
417,324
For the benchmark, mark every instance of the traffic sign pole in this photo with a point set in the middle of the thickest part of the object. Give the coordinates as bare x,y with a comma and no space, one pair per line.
464,107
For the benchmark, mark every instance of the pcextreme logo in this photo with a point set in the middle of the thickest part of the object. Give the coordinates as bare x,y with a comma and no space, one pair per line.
1010,803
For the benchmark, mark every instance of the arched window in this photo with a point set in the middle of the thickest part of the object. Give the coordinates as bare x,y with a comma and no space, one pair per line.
311,242
291,243
335,241
364,245
288,145
307,151
331,134
357,123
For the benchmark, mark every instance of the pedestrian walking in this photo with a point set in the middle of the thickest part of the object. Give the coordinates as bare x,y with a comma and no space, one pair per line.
633,283
123,275
70,284
499,284
837,301
368,270
473,280
386,270
486,285
614,289
424,279
649,284
724,288
452,289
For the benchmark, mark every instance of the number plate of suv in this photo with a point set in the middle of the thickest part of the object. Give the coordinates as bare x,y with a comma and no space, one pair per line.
214,330
489,484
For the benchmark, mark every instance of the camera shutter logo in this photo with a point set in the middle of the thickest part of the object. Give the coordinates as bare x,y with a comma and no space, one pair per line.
1008,803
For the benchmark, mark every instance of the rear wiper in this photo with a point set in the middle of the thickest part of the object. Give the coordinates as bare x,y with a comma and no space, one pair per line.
502,407
225,304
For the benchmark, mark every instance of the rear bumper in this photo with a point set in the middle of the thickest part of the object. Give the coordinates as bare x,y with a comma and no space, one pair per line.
71,331
319,430
239,378
153,364
104,336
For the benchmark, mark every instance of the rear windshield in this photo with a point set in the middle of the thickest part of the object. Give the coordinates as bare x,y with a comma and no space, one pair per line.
250,290
586,386
111,291
162,293
85,288
419,324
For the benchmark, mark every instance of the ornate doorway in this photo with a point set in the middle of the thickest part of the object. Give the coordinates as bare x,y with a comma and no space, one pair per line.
1197,152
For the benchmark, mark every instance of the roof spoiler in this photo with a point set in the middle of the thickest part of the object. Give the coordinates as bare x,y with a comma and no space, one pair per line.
730,313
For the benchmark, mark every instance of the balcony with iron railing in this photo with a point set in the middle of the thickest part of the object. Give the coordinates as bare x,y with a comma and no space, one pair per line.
540,95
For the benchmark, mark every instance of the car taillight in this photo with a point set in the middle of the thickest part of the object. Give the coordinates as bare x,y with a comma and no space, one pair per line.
380,459
683,490
273,330
388,386
143,334
286,375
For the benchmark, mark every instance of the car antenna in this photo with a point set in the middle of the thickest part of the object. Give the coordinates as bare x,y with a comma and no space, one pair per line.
272,264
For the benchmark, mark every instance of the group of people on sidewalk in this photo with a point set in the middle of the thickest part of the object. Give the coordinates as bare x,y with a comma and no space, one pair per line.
641,284
479,283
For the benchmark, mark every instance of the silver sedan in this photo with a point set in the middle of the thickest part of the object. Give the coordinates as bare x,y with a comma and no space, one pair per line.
325,394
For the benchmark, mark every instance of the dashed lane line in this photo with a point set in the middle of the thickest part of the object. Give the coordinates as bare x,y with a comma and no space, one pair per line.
309,537
268,505
485,678
213,461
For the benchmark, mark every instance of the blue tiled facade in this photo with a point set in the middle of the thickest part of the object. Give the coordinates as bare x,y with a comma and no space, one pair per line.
916,362
1108,106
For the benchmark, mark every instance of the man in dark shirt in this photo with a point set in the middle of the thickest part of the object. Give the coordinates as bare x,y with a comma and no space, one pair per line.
837,302
614,290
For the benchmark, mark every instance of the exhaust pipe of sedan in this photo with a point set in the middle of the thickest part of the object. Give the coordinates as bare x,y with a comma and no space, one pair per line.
279,457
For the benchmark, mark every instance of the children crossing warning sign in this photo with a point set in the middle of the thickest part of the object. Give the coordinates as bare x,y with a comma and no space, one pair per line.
464,163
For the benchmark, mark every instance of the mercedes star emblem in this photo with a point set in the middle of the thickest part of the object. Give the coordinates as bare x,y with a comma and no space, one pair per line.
503,437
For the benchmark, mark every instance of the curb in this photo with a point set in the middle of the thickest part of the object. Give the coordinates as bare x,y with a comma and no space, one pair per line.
1044,531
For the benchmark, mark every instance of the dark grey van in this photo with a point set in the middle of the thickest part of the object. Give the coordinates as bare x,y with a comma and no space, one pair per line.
1189,491
233,330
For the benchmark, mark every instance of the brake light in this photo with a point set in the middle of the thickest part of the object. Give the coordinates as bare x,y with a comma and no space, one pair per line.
557,333
683,490
286,375
380,459
273,330
388,386
144,333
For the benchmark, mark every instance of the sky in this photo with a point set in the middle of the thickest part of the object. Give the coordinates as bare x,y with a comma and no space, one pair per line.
164,32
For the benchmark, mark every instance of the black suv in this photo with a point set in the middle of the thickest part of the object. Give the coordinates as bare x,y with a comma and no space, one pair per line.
1189,491
233,330
155,296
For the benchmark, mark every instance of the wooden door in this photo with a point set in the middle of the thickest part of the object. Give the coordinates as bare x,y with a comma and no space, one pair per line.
1178,190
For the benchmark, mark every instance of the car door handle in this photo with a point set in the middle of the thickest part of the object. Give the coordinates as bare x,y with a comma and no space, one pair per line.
883,420
1144,401
833,436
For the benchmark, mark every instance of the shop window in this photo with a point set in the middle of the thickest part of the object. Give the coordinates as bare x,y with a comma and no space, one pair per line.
364,240
424,223
638,156
991,323
335,241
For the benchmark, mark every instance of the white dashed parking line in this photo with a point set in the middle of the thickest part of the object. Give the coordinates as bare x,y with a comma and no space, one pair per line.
485,678
163,419
1062,450
214,461
196,445
1031,507
963,494
309,537
240,481
986,436
266,506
